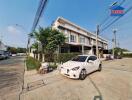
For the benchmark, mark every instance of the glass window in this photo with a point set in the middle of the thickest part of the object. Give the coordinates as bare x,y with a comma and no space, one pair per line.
80,58
93,58
82,39
72,38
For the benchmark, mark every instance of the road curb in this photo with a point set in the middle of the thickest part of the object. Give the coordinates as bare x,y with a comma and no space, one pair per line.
22,87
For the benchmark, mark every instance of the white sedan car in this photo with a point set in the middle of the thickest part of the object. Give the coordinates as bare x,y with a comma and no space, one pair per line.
80,66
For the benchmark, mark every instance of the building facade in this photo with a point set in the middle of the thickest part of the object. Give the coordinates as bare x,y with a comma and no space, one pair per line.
78,39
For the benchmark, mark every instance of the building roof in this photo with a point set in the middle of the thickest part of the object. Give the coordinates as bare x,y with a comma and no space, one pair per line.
69,22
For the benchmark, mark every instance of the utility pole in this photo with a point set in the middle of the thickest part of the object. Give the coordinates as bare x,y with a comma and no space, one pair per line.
97,33
114,42
114,31
118,45
113,51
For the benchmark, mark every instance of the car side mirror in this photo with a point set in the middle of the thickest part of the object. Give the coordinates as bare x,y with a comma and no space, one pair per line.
90,61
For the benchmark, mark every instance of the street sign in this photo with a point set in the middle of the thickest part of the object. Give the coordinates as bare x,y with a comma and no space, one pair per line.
117,10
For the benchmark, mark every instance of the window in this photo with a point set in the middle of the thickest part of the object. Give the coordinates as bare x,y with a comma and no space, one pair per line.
93,58
72,38
80,58
61,29
82,39
89,40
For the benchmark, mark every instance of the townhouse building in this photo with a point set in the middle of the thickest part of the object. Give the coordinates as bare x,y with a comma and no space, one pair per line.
78,39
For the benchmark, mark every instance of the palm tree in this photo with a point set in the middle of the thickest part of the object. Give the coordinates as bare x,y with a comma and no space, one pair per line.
35,46
50,39
30,35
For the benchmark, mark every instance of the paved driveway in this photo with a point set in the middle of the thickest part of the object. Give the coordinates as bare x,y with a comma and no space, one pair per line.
11,78
113,83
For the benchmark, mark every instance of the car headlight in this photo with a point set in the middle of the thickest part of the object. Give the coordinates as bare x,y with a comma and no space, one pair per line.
75,68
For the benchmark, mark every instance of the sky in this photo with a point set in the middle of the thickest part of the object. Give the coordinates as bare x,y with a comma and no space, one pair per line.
85,13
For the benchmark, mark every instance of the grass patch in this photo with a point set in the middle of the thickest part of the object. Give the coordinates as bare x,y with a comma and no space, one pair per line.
32,63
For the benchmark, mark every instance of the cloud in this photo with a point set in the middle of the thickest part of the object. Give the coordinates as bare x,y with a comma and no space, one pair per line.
13,29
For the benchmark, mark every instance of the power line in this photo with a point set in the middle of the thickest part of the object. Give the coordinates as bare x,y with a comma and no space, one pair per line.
39,12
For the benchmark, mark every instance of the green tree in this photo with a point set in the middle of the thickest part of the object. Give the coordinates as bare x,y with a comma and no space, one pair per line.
35,45
50,39
118,51
13,50
21,50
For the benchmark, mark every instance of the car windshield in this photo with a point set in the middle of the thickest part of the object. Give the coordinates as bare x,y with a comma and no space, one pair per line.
80,58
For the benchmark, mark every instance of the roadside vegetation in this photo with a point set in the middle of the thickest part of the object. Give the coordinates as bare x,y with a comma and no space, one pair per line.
121,52
15,50
32,63
63,57
47,41
127,55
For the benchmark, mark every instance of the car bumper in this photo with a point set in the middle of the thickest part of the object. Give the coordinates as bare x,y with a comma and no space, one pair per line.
69,73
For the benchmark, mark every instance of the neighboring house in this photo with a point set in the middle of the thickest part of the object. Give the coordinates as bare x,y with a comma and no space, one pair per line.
3,47
78,39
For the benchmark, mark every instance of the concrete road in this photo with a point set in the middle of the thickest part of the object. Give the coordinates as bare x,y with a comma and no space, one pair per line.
11,78
114,82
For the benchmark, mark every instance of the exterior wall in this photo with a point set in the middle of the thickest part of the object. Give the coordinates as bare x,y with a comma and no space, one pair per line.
78,36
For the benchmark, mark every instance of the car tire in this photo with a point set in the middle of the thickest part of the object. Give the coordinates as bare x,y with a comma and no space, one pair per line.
100,68
82,74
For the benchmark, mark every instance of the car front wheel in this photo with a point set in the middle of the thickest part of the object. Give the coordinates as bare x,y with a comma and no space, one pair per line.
82,74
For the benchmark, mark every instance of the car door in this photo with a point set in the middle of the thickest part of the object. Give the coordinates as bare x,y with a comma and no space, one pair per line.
92,60
96,63
89,65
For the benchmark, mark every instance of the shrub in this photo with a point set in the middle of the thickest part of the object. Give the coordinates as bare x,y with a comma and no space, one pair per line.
63,57
127,55
32,63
